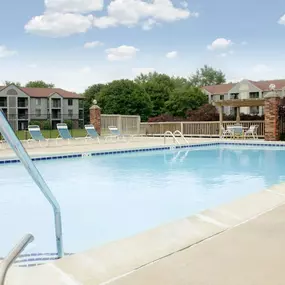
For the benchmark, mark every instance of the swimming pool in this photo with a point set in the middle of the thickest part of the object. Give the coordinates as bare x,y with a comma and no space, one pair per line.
105,198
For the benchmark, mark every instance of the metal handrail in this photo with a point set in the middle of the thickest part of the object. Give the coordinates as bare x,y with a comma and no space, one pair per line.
16,145
182,136
13,254
170,133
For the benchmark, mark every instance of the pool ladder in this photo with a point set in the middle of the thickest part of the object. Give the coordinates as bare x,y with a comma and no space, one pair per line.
173,135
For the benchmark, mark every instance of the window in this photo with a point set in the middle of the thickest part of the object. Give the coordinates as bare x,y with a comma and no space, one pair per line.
254,110
38,102
70,113
70,102
12,92
253,95
222,97
234,95
38,112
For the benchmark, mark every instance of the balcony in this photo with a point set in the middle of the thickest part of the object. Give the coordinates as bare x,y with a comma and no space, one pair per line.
23,103
3,104
23,116
56,103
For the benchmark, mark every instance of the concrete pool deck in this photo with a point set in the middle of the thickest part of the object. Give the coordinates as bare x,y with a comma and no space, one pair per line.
240,243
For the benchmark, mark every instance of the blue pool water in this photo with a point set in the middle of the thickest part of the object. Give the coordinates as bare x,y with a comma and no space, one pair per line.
106,198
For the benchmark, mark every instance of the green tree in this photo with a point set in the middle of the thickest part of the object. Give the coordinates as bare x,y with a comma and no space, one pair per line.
7,83
89,95
184,99
125,97
159,88
39,84
207,75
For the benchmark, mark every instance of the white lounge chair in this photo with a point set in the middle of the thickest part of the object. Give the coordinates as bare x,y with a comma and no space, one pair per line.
252,131
92,133
37,135
226,132
116,134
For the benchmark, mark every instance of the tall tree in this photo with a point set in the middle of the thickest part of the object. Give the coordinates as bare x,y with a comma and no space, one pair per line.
125,97
159,88
7,83
89,95
207,75
184,99
39,84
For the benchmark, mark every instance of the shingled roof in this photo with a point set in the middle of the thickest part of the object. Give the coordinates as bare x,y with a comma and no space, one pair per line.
263,85
46,92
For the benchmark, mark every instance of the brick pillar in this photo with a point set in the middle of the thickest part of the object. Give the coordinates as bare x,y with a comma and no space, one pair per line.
271,116
95,118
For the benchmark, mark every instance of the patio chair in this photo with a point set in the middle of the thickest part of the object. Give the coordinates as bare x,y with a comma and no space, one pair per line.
252,131
36,135
63,132
92,133
226,132
115,133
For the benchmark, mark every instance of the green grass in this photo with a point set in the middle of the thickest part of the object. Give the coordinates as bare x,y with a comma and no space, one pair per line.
51,134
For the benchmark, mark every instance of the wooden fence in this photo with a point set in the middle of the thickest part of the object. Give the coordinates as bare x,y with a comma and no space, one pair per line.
195,129
127,124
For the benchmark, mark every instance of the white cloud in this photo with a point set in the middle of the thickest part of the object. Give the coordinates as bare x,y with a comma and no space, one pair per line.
140,11
5,52
282,20
58,24
148,24
74,6
244,43
121,53
93,44
219,44
261,68
142,70
85,69
172,54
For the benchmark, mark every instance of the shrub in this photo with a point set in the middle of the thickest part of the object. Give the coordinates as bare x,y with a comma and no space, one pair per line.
46,125
68,123
34,122
164,118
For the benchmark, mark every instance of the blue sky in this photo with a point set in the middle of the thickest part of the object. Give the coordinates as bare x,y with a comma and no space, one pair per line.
75,43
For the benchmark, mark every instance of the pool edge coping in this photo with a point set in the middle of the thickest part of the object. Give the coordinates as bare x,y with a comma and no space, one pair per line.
43,157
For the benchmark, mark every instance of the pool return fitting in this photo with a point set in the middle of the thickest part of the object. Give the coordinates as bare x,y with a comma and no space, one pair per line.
11,138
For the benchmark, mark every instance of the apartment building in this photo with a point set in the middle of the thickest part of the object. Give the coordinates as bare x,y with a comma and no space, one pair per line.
22,105
245,89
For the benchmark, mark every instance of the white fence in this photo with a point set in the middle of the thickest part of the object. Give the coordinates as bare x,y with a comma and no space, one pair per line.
195,129
127,124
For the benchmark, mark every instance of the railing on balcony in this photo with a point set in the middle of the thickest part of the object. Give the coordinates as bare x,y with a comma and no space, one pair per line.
3,104
56,104
56,116
195,129
23,104
23,116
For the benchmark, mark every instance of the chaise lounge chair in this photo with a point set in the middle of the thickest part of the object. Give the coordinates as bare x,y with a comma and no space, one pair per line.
64,132
92,133
37,135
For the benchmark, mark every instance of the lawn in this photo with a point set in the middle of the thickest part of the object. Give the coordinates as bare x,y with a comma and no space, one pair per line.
51,134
